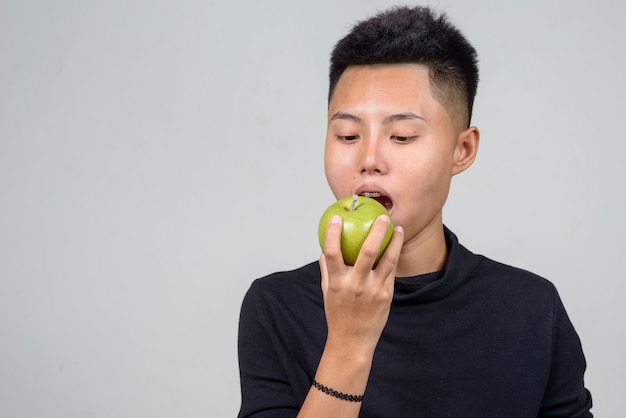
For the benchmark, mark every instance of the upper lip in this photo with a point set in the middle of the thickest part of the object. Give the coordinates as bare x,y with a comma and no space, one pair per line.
372,188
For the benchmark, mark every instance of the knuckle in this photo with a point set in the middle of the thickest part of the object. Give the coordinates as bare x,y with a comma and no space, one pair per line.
333,286
369,252
392,258
331,254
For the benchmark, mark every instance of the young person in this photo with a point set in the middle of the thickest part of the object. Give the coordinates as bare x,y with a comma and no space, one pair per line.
433,330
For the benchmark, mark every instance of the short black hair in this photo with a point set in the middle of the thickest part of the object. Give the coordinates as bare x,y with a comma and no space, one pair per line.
414,35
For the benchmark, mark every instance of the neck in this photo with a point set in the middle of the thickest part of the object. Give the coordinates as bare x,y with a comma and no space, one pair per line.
425,253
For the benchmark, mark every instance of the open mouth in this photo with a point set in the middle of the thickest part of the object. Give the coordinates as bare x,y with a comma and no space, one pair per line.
383,200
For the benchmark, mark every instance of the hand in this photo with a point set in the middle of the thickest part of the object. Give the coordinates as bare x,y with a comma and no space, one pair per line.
357,299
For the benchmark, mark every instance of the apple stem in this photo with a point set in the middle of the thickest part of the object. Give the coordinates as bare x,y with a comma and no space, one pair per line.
353,204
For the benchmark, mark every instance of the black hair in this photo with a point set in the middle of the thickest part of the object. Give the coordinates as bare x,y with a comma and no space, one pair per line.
414,35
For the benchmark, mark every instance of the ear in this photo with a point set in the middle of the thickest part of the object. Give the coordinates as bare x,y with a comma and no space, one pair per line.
465,149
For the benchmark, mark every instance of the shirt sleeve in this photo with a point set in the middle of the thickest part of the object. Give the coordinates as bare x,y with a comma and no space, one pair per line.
565,394
265,390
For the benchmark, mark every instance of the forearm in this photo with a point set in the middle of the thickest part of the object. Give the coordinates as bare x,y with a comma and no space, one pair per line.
343,370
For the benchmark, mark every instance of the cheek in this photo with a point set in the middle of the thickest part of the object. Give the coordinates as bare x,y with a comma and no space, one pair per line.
430,179
338,176
436,180
437,163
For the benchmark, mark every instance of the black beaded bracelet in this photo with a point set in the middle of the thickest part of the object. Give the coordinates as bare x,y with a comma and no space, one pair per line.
333,392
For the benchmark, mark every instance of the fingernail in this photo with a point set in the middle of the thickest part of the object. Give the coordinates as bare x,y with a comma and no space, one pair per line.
399,229
384,218
336,219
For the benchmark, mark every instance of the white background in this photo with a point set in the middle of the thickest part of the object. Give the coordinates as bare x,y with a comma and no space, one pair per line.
157,156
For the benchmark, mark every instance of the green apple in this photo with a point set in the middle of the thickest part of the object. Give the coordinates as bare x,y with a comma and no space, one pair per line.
358,214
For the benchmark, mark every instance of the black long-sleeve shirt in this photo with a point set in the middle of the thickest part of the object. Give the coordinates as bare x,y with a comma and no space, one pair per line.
480,339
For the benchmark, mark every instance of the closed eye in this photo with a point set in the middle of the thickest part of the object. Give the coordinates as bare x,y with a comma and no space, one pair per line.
348,138
398,138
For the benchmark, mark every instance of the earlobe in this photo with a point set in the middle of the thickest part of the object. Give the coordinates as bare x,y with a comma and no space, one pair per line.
466,149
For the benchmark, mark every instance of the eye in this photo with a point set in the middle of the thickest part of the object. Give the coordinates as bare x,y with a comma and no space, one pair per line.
399,138
348,138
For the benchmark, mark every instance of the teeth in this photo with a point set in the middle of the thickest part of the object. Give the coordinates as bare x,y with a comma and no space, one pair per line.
371,194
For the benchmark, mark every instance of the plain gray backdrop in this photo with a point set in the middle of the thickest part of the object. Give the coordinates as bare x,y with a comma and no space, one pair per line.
157,156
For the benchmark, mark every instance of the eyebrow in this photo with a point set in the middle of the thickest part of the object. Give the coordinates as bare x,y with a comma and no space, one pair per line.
345,116
391,118
403,116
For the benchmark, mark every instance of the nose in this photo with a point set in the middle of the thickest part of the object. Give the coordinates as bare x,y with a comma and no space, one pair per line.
372,156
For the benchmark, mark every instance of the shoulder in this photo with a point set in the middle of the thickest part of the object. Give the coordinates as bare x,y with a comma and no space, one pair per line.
284,289
301,278
499,280
280,303
512,275
514,288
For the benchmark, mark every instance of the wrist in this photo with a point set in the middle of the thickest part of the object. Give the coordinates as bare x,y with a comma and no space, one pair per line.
347,350
345,370
336,394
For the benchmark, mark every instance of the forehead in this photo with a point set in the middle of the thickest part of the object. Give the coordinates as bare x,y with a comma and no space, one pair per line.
384,88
